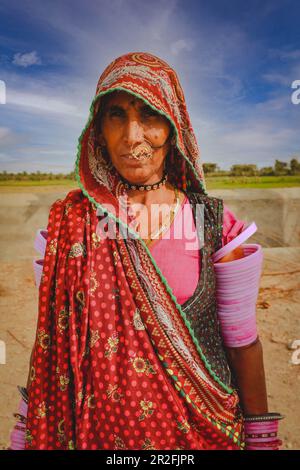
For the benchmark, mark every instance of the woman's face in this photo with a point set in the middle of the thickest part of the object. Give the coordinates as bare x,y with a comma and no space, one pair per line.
126,123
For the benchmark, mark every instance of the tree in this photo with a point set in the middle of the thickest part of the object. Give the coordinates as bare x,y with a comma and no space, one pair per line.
280,168
210,167
266,171
244,170
294,166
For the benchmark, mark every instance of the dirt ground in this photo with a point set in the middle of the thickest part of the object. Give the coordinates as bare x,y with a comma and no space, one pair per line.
277,313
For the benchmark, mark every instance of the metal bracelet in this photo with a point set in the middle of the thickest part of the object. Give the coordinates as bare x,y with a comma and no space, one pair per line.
264,417
24,393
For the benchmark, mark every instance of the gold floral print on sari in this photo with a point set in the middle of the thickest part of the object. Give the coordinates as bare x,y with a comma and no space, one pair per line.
77,249
146,409
63,320
113,392
41,410
64,381
119,443
52,246
67,208
112,345
43,339
61,431
96,240
94,338
147,445
142,366
93,283
32,375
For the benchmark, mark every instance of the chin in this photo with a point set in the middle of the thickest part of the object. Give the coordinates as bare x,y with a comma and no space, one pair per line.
134,174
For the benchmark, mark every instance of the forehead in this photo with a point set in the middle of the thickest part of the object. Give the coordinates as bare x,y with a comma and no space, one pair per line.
122,98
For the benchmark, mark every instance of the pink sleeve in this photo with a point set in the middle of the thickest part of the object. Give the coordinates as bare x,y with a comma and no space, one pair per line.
40,244
231,226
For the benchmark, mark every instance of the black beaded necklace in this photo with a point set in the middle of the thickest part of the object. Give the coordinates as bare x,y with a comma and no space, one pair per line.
144,187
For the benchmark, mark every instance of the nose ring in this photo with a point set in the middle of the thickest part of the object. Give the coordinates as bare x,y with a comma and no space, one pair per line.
143,151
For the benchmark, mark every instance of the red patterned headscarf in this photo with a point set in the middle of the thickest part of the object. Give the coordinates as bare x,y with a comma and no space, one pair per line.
115,363
153,80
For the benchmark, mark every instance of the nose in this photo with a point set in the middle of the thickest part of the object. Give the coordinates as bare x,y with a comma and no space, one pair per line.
133,133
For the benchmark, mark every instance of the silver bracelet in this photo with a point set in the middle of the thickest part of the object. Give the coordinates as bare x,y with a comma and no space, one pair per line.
264,417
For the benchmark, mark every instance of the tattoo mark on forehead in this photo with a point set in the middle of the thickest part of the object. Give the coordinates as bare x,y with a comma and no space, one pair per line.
133,101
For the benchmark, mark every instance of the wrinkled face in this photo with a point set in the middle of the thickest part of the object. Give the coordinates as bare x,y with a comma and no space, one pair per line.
126,123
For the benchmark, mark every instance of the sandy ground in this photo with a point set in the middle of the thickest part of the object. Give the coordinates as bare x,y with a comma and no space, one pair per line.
277,313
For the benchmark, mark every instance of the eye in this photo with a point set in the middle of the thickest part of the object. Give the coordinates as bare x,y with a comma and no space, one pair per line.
116,112
148,112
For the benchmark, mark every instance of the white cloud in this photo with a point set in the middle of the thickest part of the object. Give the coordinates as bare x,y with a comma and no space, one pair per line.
11,139
294,55
277,78
43,103
27,59
261,138
181,45
284,54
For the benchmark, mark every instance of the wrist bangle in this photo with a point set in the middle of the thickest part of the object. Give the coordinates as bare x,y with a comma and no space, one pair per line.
20,418
263,417
260,436
23,393
274,445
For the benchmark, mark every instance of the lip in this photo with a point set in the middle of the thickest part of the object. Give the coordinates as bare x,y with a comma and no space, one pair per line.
130,159
127,155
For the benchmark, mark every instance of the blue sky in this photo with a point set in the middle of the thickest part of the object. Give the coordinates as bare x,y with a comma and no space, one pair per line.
236,62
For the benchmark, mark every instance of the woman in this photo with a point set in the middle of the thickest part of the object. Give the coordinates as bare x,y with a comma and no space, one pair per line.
129,352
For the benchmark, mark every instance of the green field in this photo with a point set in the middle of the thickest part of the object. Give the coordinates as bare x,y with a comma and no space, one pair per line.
212,182
65,182
231,182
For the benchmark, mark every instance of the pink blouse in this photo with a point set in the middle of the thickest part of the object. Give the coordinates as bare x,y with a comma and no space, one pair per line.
178,256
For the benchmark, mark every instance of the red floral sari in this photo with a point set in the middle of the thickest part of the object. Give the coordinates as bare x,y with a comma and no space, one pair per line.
115,362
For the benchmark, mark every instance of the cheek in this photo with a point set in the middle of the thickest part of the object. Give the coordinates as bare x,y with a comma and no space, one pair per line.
111,135
159,133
